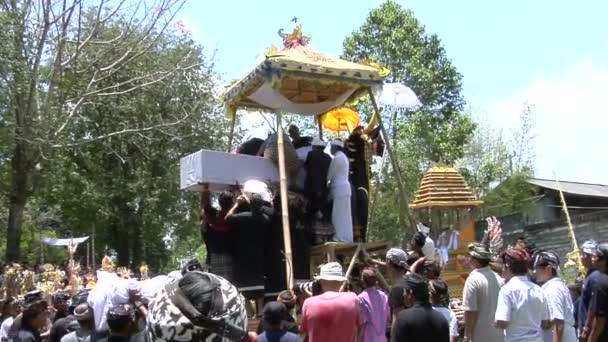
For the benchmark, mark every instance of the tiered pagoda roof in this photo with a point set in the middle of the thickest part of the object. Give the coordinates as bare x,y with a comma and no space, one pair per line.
445,187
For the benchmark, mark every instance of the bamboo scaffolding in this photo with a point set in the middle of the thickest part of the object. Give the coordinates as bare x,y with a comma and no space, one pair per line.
284,206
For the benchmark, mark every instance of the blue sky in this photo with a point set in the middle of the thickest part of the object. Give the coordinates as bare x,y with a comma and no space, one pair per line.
553,54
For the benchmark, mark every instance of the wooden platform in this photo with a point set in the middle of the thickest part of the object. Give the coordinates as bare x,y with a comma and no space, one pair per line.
355,255
327,252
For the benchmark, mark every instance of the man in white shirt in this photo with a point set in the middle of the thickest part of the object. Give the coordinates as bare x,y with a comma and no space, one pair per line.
480,296
522,310
340,192
561,309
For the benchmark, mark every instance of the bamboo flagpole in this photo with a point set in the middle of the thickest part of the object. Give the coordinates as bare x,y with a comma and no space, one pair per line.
565,209
575,256
404,211
284,205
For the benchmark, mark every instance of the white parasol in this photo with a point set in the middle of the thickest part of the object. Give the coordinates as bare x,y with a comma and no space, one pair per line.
396,96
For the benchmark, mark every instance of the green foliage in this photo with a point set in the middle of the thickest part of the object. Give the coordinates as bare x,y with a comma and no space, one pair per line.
394,38
97,143
513,195
486,160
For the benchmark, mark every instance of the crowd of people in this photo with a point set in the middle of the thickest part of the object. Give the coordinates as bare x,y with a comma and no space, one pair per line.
514,294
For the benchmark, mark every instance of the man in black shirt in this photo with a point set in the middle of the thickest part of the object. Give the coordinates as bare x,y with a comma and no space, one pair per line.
315,185
296,139
598,306
249,228
420,321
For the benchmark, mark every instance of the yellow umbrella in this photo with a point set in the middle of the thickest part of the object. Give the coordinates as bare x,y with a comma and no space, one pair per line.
340,119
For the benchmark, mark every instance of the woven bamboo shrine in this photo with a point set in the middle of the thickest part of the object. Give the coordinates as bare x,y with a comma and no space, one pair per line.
444,187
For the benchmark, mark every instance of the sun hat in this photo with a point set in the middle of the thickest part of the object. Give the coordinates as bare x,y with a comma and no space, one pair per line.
331,271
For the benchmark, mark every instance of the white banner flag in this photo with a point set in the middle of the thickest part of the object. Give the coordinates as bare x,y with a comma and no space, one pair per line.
64,242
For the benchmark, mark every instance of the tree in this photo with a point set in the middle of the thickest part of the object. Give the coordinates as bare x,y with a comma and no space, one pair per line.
129,183
394,38
61,62
486,159
498,167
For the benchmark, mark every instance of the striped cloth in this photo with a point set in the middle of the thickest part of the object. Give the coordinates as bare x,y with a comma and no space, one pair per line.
374,315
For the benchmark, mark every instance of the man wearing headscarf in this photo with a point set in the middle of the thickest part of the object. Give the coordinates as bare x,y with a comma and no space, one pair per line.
561,309
589,251
522,310
419,320
480,297
598,308
396,263
340,192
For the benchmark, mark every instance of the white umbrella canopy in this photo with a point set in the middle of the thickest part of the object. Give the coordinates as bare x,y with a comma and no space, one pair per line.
396,96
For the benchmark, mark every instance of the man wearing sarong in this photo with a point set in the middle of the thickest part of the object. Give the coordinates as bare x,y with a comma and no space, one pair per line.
340,192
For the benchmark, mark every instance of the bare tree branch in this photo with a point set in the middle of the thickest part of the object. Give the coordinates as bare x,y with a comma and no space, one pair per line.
124,131
91,35
76,106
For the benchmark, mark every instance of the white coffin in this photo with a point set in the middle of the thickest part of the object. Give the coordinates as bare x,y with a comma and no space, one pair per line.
222,170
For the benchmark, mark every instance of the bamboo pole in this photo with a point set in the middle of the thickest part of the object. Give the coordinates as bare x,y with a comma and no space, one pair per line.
565,209
351,266
404,212
374,263
231,136
284,206
320,128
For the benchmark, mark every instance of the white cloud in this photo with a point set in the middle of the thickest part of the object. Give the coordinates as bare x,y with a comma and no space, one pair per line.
571,119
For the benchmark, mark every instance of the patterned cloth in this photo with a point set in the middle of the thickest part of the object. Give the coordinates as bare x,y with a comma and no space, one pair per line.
374,315
166,322
397,256
479,251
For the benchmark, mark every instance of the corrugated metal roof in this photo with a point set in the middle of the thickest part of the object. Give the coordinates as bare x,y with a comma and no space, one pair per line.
582,189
